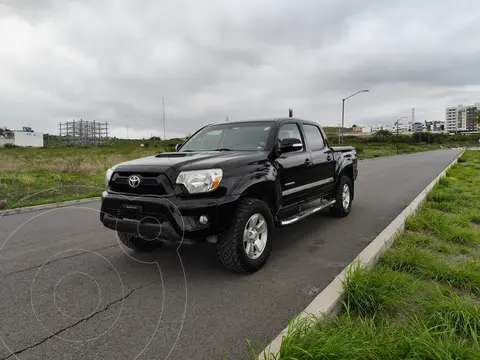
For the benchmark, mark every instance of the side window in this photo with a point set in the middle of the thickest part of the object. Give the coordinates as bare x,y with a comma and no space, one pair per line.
314,137
290,131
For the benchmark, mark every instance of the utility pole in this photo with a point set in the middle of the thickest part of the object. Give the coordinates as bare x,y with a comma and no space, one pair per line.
398,149
164,134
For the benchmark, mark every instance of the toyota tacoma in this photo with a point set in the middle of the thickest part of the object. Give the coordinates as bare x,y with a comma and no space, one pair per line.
230,184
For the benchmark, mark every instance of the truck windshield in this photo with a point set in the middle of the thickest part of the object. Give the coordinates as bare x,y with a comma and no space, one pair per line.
225,137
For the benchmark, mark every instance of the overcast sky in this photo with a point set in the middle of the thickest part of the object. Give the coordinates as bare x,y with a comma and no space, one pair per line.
113,60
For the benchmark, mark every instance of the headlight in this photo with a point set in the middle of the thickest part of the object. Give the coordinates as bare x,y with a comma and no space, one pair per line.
199,181
108,175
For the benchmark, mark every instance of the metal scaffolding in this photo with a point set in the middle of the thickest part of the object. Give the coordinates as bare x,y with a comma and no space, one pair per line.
83,132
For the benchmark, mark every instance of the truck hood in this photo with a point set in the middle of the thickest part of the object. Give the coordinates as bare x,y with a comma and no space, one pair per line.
182,161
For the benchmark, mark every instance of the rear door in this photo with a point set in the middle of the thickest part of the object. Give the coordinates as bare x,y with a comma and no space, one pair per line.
293,167
322,169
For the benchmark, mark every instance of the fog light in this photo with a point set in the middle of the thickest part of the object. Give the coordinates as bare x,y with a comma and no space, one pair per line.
203,220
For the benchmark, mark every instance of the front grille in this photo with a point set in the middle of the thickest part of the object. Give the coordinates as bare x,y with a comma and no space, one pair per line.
150,184
142,174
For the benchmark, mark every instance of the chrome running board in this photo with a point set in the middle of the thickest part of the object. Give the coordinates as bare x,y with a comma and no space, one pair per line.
303,214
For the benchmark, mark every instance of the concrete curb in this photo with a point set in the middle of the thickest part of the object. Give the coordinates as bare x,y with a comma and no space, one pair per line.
328,302
46,206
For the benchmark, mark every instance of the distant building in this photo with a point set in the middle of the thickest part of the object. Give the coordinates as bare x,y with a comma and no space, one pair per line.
84,132
405,128
402,128
461,118
418,126
376,128
435,126
22,138
366,129
371,129
357,129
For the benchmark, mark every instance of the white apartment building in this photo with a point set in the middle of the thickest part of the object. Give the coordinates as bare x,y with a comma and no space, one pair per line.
402,127
461,118
375,128
371,129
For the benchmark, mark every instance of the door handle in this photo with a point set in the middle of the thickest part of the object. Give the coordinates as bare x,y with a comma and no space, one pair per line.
308,162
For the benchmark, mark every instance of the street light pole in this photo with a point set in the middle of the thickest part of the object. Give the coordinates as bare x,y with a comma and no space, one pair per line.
343,107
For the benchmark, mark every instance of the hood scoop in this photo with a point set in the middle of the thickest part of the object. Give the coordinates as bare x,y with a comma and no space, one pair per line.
172,155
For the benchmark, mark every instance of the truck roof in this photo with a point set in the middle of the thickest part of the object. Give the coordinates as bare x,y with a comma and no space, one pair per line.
277,120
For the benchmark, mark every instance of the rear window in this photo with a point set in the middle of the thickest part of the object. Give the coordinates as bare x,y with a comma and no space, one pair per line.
314,137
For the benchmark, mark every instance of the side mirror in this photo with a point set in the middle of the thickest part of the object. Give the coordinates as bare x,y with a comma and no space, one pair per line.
178,146
290,144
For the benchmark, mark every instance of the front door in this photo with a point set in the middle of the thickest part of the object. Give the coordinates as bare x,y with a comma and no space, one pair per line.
293,167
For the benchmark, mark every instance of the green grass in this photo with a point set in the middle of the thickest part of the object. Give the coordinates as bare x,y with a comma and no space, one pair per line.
353,338
422,300
30,176
29,189
372,150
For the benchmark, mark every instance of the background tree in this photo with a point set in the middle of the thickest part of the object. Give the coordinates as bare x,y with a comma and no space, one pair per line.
382,136
383,133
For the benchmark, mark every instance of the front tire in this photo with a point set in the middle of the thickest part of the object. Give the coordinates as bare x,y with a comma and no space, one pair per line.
137,243
343,197
246,246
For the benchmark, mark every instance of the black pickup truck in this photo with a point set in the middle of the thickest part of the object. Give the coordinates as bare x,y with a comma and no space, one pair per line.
230,184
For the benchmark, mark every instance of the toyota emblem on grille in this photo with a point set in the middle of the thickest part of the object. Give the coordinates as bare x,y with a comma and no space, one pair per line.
134,181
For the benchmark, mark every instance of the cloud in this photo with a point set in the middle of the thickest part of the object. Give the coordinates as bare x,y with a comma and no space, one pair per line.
114,60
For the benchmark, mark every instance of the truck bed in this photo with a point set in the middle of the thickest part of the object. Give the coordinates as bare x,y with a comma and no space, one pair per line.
342,148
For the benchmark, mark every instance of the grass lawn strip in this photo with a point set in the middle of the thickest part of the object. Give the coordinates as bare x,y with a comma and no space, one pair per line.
422,301
31,176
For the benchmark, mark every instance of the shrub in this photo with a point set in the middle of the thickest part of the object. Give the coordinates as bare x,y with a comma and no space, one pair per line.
72,164
11,146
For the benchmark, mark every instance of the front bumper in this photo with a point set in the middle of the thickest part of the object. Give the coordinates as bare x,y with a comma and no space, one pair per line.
169,219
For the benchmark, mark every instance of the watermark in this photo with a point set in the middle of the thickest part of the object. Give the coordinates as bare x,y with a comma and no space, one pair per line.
76,286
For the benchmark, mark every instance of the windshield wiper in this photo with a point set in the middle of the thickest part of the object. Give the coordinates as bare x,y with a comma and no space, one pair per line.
222,149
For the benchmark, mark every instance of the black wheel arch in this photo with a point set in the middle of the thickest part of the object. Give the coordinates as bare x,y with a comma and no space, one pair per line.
267,191
349,172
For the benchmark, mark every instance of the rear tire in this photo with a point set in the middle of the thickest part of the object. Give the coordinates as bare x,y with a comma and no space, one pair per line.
343,197
137,243
246,246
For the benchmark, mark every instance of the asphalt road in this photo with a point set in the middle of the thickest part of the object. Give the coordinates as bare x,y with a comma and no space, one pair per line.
68,290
